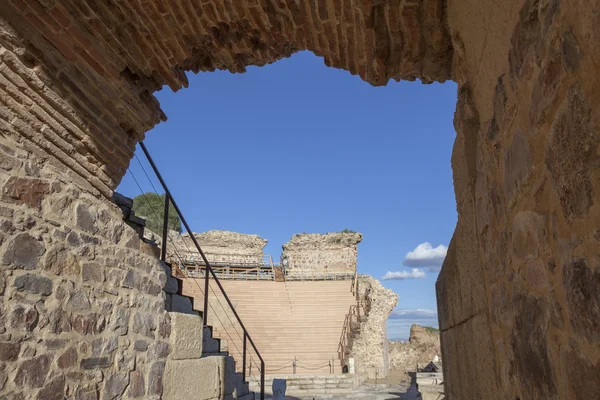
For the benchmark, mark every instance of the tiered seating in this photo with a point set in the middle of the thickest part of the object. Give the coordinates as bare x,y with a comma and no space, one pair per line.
300,320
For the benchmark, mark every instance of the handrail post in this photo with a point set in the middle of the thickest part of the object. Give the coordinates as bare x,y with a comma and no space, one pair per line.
165,232
206,278
244,360
262,380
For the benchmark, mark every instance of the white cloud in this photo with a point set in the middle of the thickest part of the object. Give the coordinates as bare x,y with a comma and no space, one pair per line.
425,255
419,313
415,273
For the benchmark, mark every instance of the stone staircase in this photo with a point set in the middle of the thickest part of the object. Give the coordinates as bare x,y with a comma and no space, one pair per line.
304,385
196,367
290,322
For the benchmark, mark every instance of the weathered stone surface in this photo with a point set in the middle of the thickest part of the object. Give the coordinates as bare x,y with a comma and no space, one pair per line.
95,363
84,218
369,349
24,317
61,262
89,393
204,375
583,375
93,272
55,390
144,324
88,324
9,351
155,379
529,234
33,372
120,321
422,347
582,289
25,191
571,149
331,253
67,359
137,385
23,251
140,345
78,301
8,162
132,280
186,336
33,284
114,386
517,164
530,347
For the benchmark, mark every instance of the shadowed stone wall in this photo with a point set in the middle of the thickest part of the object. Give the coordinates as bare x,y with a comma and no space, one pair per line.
518,294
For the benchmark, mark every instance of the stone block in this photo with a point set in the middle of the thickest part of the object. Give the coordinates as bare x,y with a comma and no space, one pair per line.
209,344
181,304
172,285
23,251
198,379
186,336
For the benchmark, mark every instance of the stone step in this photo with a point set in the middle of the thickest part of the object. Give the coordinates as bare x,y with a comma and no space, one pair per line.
180,304
204,378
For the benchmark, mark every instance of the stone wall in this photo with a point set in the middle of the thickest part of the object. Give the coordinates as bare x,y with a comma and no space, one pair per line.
519,292
81,313
309,254
223,247
422,346
81,308
370,347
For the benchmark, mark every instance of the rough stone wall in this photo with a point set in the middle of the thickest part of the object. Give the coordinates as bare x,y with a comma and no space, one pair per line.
223,247
370,347
420,349
519,292
312,253
81,310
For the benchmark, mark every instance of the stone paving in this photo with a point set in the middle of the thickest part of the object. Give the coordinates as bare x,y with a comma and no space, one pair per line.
366,391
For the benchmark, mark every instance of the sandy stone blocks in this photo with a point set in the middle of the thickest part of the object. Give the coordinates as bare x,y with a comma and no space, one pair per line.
186,336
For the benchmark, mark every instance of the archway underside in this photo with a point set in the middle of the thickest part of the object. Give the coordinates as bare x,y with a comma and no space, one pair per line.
108,59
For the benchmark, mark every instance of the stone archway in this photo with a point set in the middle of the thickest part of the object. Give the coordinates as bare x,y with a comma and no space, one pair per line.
518,295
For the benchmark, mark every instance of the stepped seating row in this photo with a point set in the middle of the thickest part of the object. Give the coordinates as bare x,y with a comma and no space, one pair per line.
289,322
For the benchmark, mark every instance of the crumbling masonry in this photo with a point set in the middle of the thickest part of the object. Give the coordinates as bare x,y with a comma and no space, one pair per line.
519,292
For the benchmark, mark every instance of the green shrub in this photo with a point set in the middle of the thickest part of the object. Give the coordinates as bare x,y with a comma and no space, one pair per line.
152,207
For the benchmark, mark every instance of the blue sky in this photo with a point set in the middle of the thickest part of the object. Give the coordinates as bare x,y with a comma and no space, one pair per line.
297,147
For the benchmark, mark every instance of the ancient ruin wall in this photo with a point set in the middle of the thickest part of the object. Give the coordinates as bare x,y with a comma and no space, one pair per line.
519,292
222,247
315,254
370,347
421,348
81,310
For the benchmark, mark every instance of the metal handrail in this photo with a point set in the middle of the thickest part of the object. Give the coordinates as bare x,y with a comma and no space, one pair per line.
169,199
344,342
